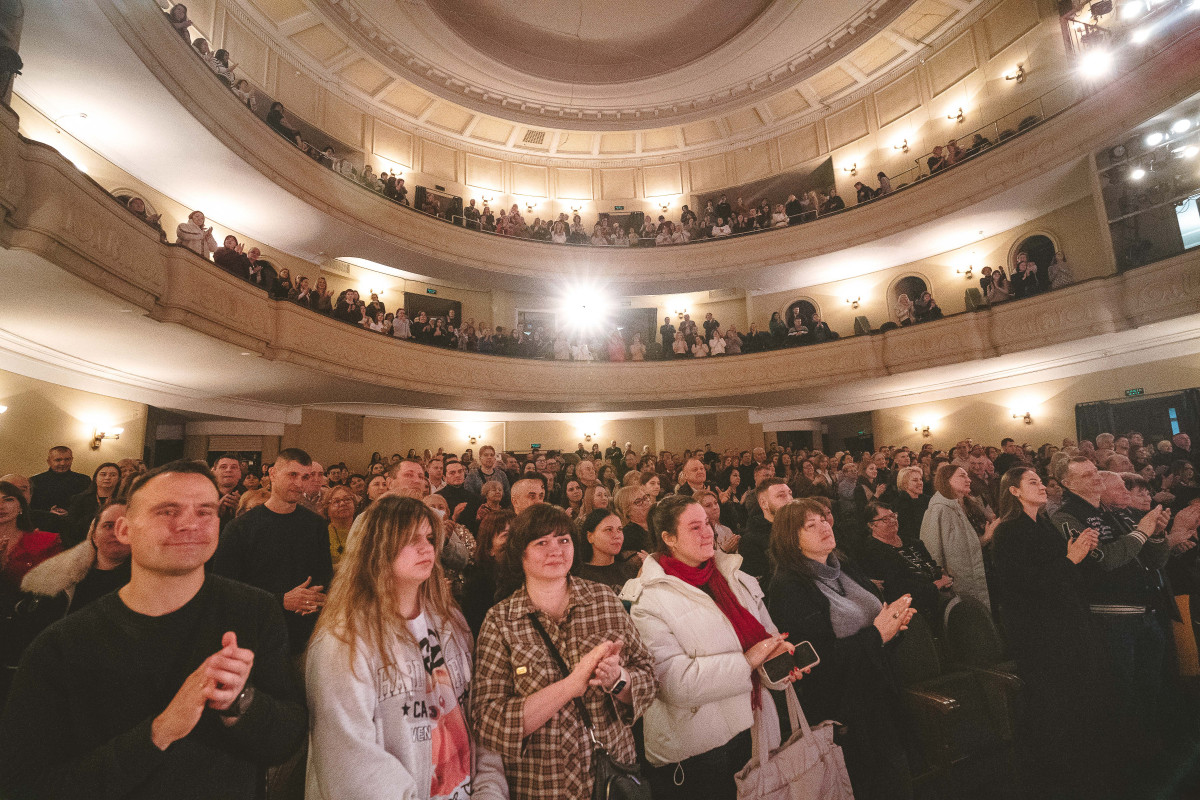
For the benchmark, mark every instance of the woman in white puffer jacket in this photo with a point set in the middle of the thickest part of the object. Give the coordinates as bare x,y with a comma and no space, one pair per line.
706,626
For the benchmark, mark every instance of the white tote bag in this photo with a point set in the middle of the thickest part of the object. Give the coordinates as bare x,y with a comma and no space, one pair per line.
808,766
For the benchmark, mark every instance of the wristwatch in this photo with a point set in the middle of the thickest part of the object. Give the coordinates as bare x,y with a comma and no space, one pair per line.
239,704
622,682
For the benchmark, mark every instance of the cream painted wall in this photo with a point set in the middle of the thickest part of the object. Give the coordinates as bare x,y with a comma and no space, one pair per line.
41,415
988,417
1075,228
315,434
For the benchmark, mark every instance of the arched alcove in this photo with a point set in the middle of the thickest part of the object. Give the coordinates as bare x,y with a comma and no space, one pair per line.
805,308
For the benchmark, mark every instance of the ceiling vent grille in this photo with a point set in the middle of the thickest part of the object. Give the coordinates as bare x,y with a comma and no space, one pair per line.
534,137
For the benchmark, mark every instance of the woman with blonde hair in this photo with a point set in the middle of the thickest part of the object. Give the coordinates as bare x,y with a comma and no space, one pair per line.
391,725
339,507
595,497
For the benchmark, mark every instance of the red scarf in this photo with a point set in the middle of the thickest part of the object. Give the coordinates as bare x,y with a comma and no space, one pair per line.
747,627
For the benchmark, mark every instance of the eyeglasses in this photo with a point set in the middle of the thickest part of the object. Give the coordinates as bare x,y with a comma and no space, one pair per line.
641,501
885,518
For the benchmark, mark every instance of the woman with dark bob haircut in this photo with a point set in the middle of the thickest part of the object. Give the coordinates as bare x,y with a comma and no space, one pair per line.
819,597
523,705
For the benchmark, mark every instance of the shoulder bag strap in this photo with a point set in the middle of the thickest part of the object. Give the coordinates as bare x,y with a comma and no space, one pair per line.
565,670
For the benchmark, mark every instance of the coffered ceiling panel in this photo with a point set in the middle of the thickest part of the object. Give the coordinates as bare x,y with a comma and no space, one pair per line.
785,104
922,19
407,98
451,117
320,43
575,142
830,82
660,139
365,76
492,130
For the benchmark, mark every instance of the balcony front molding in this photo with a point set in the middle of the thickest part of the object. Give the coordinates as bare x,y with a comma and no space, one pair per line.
57,213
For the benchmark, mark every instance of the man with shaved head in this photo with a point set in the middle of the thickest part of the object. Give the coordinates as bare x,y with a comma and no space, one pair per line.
54,488
527,492
692,478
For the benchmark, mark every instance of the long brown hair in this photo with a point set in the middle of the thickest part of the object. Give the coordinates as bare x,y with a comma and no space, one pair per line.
362,597
1010,506
785,535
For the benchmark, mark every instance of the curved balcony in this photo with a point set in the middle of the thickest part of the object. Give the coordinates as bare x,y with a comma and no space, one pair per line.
61,229
1006,184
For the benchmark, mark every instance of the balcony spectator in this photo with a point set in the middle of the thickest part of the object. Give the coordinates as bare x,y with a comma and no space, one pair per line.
937,161
733,341
885,184
779,219
985,280
999,291
203,50
178,17
195,237
687,217
245,93
487,219
926,308
301,293
778,328
723,209
283,285
282,125
221,66
637,350
679,345
863,192
794,210
905,310
471,216
138,206
763,218
598,236
231,258
699,347
1060,274
261,272
835,203
978,144
721,228
820,331
1025,281
322,297
616,347
954,153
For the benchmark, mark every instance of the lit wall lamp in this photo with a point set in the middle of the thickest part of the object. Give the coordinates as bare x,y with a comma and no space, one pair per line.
902,147
1018,75
967,271
576,209
587,437
100,434
853,301
923,430
665,207
1026,417
487,199
473,437
679,312
3,409
959,117
530,206
852,169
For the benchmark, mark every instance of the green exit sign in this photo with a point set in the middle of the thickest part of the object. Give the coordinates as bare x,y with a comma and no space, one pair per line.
1135,392
431,291
618,208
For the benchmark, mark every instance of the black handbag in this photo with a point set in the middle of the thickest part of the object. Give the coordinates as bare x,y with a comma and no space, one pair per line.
612,779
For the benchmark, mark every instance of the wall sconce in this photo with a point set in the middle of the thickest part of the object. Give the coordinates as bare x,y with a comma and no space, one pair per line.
923,430
1018,75
473,437
530,206
1026,417
679,312
853,301
959,117
853,169
966,272
576,209
587,437
487,199
665,207
100,434
902,147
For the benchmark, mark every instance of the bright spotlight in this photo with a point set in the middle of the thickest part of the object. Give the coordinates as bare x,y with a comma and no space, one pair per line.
1154,139
1096,63
1133,9
1181,126
1138,174
1191,152
1141,35
586,309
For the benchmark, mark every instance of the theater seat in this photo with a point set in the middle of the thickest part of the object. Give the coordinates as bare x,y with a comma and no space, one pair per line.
962,726
974,300
861,326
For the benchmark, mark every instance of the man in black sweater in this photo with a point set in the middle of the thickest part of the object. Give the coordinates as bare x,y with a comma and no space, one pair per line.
462,501
282,548
177,685
54,488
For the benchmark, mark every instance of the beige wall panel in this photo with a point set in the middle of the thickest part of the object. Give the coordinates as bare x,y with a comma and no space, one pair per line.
41,415
407,98
734,429
492,130
660,139
704,131
486,173
576,184
708,173
743,120
450,116
438,161
277,10
921,19
575,142
951,64
618,184
663,179
530,180
831,81
897,98
203,15
297,93
343,121
875,54
799,146
616,142
785,104
392,144
365,76
847,125
1051,404
750,163
320,42
1006,22
251,51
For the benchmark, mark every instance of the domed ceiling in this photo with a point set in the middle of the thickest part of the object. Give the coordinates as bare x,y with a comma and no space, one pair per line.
597,41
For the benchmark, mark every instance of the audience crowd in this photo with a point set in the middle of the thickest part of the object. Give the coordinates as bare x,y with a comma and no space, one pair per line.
718,219
444,624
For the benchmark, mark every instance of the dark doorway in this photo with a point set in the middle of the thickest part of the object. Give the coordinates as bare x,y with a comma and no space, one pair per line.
797,440
1038,249
803,309
910,285
862,443
433,307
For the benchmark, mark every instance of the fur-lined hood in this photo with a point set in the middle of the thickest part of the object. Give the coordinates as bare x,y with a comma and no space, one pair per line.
61,573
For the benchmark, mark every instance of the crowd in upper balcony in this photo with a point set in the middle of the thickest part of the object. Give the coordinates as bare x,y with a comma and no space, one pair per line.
718,219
